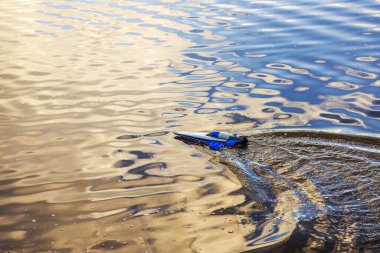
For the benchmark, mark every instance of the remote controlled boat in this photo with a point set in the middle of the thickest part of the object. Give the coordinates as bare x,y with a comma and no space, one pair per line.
214,140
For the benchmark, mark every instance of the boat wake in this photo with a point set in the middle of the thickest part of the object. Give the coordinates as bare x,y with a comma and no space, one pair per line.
319,186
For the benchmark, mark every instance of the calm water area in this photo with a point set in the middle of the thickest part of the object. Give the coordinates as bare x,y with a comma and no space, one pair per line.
92,90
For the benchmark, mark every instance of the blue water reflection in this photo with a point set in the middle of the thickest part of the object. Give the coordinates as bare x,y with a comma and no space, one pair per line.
308,54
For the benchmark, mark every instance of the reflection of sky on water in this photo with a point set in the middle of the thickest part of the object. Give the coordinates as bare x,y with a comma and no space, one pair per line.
311,61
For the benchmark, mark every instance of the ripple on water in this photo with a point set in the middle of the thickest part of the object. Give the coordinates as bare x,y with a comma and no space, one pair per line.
310,166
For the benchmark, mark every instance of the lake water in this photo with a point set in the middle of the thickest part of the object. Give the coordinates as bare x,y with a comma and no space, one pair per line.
91,92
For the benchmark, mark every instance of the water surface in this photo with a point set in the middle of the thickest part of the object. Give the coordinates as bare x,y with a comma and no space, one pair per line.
92,89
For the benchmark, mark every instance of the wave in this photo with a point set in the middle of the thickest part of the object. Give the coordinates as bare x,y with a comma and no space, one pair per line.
319,186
